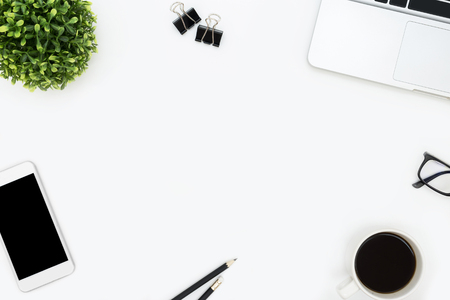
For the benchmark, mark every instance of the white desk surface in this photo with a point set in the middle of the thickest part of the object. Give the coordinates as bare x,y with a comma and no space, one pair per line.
169,157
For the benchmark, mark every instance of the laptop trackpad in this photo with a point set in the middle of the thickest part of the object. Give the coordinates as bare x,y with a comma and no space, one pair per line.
424,57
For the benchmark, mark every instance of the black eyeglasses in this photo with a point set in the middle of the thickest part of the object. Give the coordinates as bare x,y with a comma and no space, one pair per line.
435,174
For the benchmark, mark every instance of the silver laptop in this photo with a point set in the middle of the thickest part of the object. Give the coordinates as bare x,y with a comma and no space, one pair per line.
403,43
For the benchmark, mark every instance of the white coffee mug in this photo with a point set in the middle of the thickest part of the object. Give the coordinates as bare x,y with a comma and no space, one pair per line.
354,284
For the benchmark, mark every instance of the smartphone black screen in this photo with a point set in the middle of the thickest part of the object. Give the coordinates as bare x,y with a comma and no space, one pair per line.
27,228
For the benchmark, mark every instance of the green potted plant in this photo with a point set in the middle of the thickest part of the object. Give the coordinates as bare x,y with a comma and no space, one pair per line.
45,43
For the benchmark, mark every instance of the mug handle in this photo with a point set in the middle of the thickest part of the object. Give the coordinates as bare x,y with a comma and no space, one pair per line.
347,288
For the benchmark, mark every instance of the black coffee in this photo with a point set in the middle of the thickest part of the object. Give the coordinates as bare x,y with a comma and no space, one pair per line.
385,263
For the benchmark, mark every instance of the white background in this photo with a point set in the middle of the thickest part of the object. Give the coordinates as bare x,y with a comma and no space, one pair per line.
169,157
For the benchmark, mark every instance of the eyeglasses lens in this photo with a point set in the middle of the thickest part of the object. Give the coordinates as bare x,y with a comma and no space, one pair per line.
436,175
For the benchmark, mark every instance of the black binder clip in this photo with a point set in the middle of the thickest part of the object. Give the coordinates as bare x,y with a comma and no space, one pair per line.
210,35
186,20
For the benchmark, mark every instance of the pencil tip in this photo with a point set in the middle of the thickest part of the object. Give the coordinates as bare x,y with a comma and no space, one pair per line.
231,262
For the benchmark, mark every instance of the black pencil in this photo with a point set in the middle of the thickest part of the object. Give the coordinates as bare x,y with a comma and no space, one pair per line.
211,290
204,280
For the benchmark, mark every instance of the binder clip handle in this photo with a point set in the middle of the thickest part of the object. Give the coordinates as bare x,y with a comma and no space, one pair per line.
208,21
214,19
180,5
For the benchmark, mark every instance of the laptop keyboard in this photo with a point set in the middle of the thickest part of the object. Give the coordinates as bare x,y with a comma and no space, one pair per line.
439,8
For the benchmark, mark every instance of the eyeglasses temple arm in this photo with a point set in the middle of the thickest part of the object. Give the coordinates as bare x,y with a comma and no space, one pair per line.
421,183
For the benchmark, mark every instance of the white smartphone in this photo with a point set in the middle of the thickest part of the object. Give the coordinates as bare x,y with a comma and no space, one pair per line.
30,234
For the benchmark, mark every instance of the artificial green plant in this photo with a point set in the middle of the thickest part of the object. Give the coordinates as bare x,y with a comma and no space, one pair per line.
45,43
